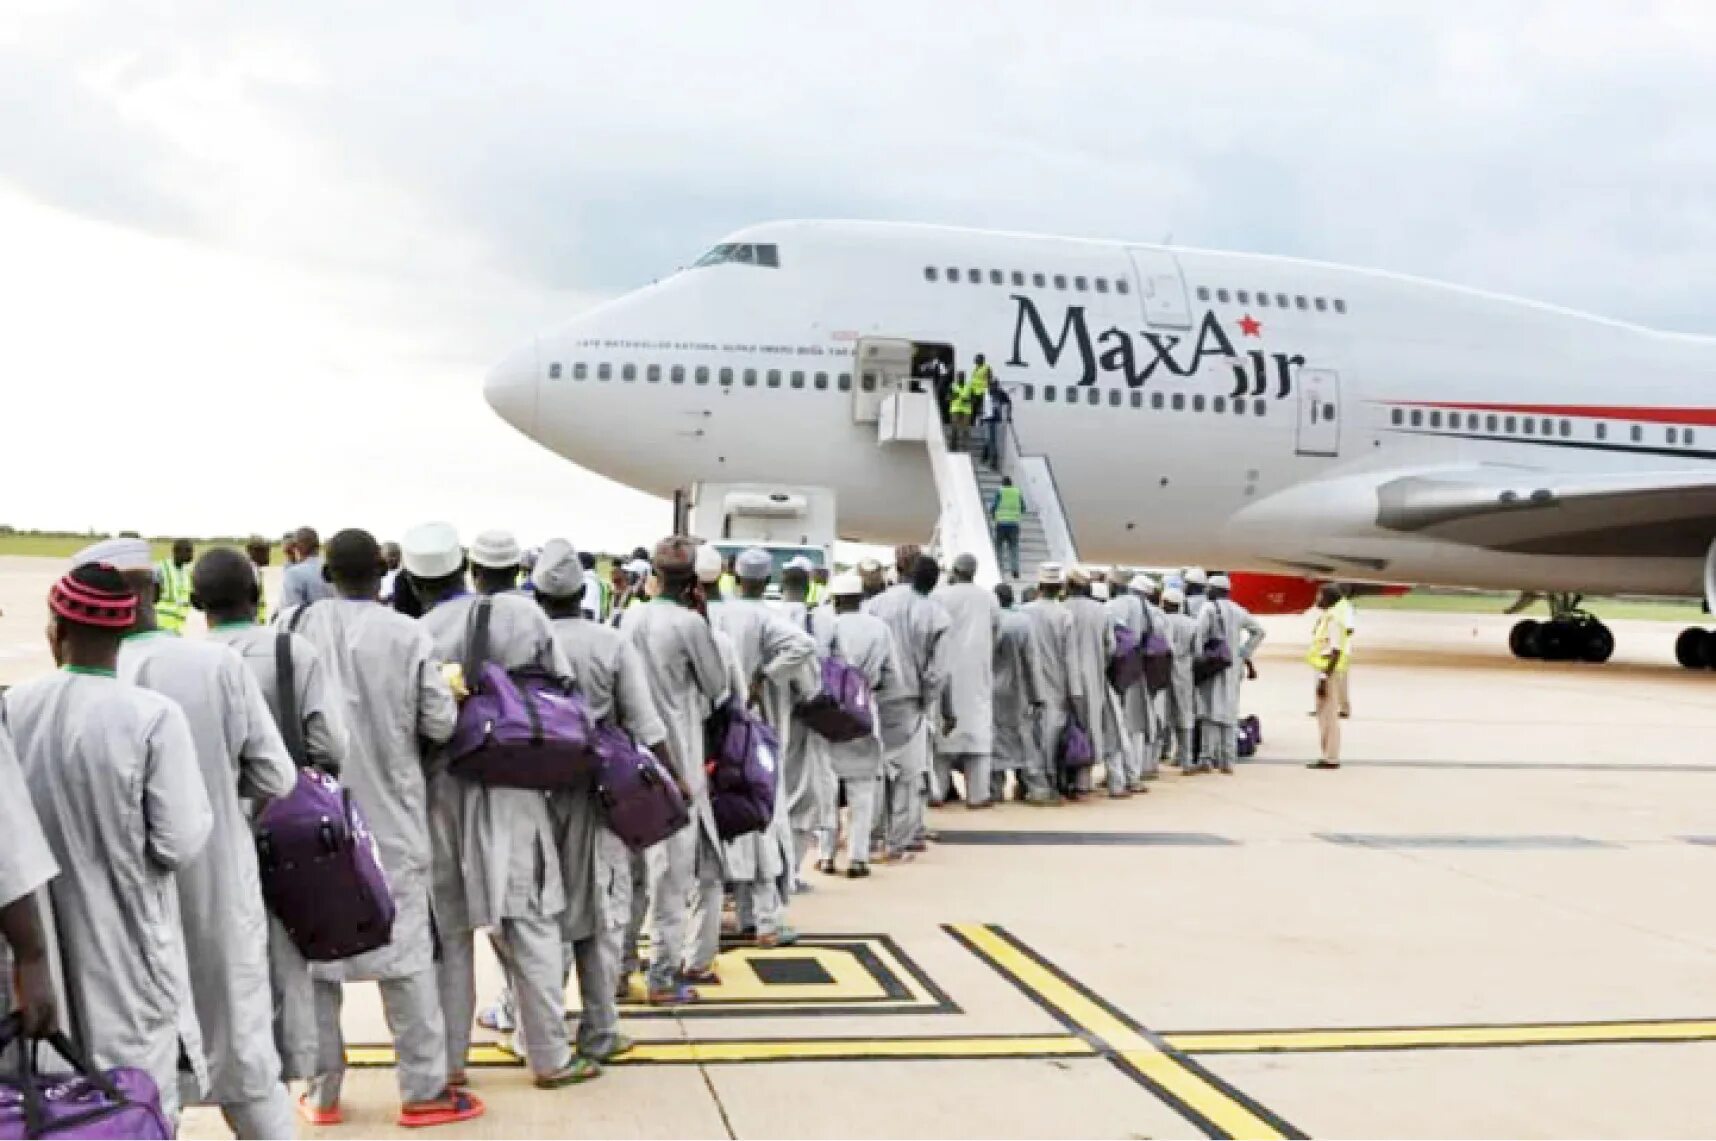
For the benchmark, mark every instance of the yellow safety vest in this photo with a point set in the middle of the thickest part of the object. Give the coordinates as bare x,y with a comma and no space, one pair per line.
173,607
729,586
979,381
261,599
1009,505
813,595
1317,659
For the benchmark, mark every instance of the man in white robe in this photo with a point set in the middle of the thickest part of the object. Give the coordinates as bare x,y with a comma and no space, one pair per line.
113,777
26,864
1179,706
1018,695
225,588
920,627
244,764
396,704
975,618
1125,760
688,680
777,666
864,642
1218,695
495,861
595,864
1092,645
1062,686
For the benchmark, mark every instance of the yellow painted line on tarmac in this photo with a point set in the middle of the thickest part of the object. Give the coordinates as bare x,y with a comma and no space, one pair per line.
1442,1037
741,1050
1210,1103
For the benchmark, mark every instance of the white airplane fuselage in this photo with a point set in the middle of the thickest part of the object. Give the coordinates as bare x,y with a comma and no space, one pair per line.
1232,410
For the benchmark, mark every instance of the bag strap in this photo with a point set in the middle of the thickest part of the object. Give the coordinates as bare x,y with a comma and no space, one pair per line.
286,696
29,1068
298,616
477,638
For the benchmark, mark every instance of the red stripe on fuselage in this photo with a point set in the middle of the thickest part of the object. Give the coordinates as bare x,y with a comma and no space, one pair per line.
1701,416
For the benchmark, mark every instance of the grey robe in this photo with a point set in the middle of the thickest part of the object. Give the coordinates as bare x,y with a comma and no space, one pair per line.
1218,696
113,775
382,665
975,616
865,642
494,847
220,892
1052,639
803,781
920,627
316,706
782,656
1181,631
611,676
26,862
1018,689
687,679
1092,644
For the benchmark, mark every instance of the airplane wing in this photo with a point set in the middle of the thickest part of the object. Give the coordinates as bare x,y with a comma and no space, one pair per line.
1581,515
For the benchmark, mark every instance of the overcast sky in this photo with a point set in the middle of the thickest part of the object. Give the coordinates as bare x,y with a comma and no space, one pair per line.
255,258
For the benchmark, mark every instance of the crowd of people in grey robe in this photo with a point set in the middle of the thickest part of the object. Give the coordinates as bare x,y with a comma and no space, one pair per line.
130,778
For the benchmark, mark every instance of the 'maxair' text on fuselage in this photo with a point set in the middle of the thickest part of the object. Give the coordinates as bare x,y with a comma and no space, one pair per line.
1135,358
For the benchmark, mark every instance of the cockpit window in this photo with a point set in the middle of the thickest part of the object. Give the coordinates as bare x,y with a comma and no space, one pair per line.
743,253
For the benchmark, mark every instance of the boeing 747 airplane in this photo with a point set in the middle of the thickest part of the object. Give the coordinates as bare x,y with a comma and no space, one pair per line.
1298,421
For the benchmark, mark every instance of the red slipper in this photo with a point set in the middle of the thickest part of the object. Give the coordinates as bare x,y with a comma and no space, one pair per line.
316,1116
458,1105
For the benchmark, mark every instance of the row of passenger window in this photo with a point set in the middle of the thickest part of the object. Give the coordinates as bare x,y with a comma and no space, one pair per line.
702,374
1078,283
1521,425
1158,401
822,381
1264,300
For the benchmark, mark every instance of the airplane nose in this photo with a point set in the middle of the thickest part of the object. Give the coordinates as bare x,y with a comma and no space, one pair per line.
510,388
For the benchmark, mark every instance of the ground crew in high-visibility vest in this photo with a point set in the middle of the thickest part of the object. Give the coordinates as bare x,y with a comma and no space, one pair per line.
818,592
173,605
1006,510
1331,656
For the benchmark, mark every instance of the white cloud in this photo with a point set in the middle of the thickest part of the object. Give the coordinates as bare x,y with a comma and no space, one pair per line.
272,247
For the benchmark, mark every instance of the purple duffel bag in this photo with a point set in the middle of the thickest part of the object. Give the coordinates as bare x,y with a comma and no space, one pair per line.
1075,750
523,729
321,871
121,1103
844,709
1158,658
638,798
744,767
1126,663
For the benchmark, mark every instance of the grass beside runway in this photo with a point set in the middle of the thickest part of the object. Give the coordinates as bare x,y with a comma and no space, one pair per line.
1686,613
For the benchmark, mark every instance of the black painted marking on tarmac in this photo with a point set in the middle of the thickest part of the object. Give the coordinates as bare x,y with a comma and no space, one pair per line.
1457,841
1507,766
793,970
896,996
1222,1096
983,838
1702,841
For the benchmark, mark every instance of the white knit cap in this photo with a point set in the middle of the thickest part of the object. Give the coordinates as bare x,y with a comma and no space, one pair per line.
496,550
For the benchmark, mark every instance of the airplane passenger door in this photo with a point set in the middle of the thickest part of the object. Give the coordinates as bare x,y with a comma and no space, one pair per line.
1319,412
1162,289
881,366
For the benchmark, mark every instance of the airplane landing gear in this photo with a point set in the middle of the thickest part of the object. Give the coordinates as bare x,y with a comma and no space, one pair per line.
1696,649
1570,635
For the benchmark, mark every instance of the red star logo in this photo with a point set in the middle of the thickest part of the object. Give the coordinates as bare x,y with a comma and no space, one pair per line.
1250,326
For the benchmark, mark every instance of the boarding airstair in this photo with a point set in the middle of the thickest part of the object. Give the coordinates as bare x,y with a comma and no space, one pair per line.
906,415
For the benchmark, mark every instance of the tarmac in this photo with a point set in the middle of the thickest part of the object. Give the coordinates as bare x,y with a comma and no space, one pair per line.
1491,922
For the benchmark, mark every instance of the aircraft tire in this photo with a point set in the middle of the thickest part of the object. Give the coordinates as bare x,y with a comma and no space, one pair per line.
1522,639
1692,648
1557,642
1596,643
